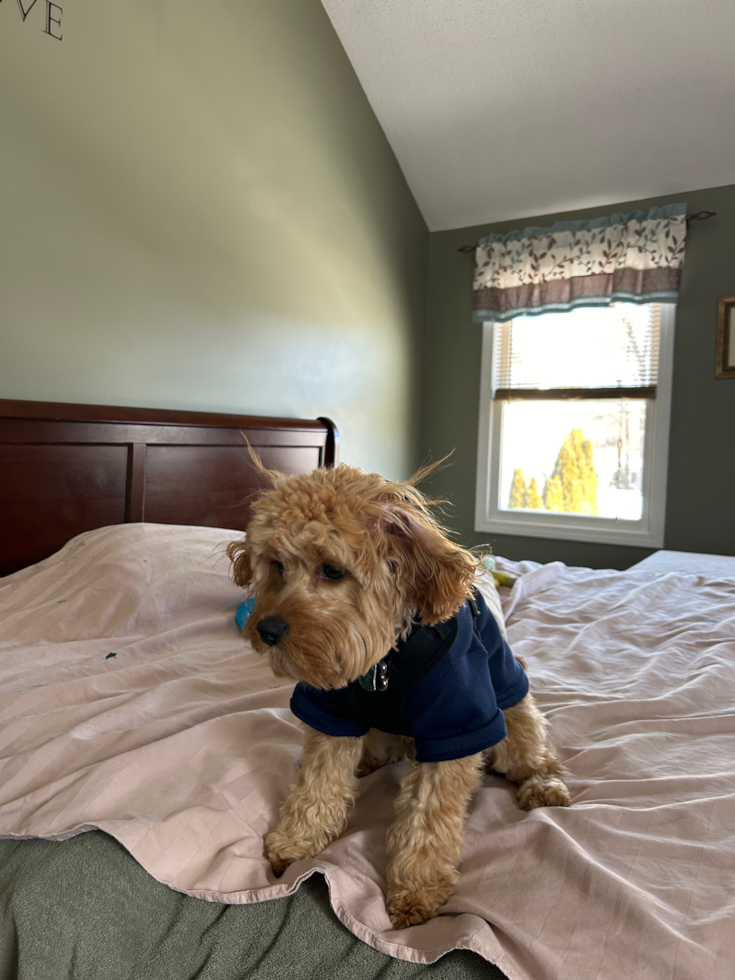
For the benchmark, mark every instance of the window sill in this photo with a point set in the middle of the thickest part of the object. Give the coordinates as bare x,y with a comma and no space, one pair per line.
601,531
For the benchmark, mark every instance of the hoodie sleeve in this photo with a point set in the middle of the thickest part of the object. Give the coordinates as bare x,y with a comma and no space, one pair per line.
325,711
509,679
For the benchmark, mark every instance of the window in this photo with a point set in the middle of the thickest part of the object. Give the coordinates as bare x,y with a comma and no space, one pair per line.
574,424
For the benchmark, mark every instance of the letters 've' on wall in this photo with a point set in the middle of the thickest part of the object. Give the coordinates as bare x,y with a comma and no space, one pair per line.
52,14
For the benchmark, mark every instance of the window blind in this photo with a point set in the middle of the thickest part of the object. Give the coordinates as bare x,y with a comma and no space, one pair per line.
605,352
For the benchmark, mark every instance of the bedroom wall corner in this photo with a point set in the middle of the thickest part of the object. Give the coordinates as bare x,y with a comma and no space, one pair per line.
701,472
201,211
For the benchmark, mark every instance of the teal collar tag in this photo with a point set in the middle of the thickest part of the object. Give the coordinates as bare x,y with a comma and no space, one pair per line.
376,678
368,680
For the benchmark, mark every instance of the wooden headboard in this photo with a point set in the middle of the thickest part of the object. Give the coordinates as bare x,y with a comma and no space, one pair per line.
65,469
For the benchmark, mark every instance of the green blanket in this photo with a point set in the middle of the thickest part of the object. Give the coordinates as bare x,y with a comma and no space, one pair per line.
83,909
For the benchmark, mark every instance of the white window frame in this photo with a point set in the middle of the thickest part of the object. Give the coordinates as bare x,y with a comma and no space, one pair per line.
647,532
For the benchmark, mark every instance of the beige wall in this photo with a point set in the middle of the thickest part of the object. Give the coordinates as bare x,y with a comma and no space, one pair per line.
199,210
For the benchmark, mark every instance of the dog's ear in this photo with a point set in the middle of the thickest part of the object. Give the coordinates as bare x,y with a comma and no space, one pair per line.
242,573
435,574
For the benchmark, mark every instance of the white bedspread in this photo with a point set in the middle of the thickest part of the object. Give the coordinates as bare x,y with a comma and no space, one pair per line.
181,746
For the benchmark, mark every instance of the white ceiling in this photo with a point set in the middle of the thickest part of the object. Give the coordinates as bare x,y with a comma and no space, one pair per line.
503,109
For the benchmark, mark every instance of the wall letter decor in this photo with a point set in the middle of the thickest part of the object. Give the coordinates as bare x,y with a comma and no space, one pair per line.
52,20
53,16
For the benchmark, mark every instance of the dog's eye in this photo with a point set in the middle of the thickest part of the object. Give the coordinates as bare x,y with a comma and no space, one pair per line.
278,565
330,572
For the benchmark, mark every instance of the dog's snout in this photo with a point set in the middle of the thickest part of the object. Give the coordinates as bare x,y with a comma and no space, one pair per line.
272,629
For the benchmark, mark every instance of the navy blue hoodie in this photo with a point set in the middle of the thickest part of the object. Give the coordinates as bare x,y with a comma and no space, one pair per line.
455,710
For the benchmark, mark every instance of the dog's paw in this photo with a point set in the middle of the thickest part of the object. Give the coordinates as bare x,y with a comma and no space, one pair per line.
412,906
282,851
542,789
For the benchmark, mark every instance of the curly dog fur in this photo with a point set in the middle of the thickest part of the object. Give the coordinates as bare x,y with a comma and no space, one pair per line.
341,561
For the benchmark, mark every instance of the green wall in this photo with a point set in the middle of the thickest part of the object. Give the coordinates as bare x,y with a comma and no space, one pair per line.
200,211
701,478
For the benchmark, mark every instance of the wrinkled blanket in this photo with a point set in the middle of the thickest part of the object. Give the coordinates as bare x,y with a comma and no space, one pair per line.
130,703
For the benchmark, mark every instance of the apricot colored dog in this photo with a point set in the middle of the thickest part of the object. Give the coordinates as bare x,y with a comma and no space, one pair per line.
347,568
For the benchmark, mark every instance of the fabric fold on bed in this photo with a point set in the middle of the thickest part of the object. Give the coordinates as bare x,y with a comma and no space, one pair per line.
129,702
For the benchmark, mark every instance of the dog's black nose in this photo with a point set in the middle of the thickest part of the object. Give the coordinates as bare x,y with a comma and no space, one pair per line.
271,629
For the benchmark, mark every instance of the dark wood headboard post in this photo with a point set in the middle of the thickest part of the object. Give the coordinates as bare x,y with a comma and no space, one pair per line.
331,450
69,468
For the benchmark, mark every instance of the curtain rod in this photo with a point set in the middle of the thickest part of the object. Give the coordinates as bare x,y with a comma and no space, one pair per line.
697,216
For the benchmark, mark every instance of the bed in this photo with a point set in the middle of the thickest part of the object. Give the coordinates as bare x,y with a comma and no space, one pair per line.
145,750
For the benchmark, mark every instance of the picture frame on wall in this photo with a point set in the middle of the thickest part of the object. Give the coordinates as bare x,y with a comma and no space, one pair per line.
725,338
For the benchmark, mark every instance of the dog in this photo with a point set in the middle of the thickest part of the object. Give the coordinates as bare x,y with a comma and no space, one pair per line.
347,569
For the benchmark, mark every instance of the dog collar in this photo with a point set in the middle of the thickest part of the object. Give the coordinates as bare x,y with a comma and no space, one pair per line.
419,642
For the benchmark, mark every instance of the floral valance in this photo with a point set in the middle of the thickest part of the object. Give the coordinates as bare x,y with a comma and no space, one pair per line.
624,258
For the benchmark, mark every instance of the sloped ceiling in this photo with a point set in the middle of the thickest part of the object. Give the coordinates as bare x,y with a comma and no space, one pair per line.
502,109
